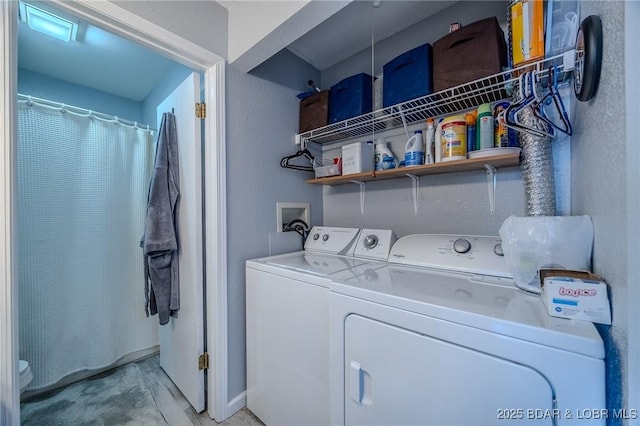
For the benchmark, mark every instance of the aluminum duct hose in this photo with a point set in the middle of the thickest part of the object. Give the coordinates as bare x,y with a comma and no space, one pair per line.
537,168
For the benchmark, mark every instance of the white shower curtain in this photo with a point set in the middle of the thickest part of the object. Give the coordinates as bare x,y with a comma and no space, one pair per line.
81,199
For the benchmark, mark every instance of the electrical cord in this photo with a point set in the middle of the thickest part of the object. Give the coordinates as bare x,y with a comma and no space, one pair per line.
299,226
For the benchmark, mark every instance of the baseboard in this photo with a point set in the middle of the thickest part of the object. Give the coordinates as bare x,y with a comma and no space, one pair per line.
237,404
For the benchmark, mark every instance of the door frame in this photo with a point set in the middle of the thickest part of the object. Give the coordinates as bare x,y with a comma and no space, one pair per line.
135,28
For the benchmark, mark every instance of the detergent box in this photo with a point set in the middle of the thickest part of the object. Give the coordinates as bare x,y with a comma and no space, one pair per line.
527,31
575,294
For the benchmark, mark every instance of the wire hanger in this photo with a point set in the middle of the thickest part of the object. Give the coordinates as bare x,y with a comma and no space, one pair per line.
288,161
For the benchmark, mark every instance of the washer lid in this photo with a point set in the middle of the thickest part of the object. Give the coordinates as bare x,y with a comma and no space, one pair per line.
318,264
485,302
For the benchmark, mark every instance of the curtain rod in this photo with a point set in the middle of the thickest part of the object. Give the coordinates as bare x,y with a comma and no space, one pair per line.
81,112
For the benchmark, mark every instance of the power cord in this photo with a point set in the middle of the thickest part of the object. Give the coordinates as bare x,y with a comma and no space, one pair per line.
299,226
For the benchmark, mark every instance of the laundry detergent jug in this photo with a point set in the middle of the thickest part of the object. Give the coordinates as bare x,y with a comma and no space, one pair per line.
414,150
384,158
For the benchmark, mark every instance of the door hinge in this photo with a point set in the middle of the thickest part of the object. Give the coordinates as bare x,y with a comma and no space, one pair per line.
203,361
201,110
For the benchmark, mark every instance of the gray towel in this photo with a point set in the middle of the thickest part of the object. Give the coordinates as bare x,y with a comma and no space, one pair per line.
160,240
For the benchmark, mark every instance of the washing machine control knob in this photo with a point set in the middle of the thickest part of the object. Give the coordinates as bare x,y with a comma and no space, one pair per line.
325,237
497,249
370,241
316,236
461,245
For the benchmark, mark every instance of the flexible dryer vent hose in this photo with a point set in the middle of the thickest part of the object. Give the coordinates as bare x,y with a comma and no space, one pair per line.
537,168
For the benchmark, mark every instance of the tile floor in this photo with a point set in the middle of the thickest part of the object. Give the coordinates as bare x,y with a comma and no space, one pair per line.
171,404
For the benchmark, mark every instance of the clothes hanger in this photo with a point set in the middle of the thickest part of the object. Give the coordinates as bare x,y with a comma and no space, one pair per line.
527,97
553,94
287,162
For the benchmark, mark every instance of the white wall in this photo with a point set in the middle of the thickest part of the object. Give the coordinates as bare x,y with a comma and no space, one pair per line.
600,184
201,22
171,80
45,87
260,29
262,118
252,21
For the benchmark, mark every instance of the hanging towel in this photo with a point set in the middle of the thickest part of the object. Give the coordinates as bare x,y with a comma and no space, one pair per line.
160,240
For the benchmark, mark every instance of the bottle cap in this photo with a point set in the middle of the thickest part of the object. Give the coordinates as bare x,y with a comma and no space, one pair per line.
485,108
470,118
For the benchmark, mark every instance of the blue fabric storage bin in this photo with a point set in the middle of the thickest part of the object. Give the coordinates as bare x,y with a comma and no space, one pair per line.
351,97
408,76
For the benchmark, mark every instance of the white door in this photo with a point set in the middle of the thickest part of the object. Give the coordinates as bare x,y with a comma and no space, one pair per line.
182,339
396,376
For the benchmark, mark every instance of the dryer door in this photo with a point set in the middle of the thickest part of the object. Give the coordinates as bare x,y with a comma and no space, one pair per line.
396,376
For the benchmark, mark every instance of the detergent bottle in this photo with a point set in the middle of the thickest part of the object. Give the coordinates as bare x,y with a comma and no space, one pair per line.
430,142
485,135
414,150
438,142
384,158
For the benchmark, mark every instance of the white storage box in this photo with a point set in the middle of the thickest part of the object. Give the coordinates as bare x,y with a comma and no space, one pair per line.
575,294
357,158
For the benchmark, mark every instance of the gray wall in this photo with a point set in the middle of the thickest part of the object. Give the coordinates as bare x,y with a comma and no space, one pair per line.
597,185
288,70
457,202
262,118
632,68
453,203
426,31
260,127
599,178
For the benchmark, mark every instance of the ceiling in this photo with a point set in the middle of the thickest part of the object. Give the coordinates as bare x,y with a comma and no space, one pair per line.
112,64
349,31
99,60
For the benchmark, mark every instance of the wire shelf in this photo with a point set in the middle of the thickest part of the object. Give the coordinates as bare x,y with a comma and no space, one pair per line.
466,96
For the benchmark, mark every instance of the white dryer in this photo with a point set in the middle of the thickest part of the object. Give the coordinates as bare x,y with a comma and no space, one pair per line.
442,336
287,305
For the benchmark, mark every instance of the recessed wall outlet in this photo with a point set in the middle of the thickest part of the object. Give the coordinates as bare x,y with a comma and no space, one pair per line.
288,212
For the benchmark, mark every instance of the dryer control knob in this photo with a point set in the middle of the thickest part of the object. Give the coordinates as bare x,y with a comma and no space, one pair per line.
316,236
461,245
325,237
497,249
370,241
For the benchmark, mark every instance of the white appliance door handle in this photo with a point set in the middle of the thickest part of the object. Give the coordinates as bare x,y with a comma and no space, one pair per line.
355,382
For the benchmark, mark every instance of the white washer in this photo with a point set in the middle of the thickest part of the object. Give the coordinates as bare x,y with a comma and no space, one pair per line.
444,337
287,309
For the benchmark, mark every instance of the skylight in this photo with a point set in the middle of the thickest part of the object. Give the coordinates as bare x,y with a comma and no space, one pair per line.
48,23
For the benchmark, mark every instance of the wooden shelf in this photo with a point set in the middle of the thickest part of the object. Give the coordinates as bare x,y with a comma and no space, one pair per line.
498,161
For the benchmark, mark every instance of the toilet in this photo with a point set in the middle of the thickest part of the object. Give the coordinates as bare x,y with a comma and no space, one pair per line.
25,375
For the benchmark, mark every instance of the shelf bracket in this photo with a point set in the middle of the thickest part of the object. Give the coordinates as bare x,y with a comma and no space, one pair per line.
491,184
357,182
415,183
